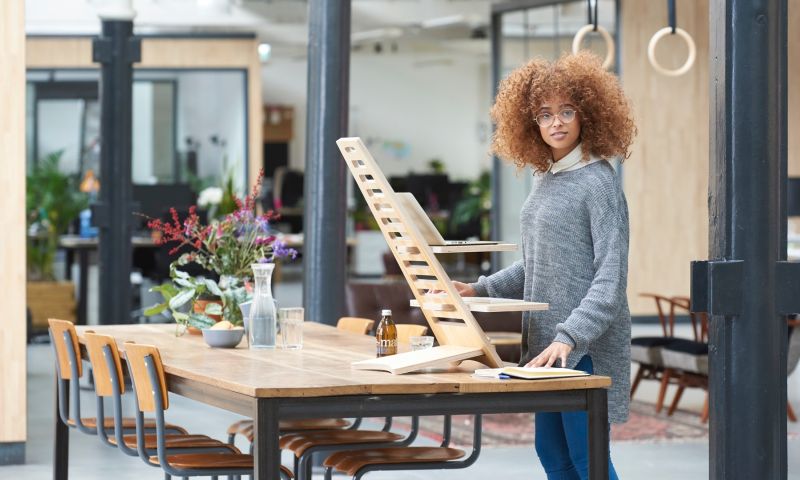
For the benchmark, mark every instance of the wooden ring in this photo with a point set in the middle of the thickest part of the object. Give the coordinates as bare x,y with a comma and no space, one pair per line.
576,42
651,52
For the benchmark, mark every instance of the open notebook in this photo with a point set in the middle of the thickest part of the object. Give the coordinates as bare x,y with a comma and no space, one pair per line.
529,373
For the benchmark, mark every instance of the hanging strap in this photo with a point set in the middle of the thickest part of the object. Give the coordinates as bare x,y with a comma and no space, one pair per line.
671,12
592,13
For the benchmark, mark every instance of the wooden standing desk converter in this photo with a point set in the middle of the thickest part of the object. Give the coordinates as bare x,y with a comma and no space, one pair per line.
402,222
318,382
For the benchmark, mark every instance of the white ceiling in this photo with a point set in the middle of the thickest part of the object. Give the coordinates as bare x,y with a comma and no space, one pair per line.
456,25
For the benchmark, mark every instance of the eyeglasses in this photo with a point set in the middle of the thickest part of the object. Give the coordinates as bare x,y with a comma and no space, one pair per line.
546,119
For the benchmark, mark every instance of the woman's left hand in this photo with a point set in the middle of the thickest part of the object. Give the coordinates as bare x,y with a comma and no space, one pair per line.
556,351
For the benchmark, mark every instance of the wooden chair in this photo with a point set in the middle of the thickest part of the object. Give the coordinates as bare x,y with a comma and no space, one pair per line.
360,326
360,462
107,368
686,360
69,370
406,330
150,388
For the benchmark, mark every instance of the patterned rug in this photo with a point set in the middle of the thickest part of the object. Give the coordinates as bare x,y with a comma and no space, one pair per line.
509,430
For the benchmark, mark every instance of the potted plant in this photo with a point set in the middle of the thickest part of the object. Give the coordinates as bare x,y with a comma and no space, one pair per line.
53,201
227,247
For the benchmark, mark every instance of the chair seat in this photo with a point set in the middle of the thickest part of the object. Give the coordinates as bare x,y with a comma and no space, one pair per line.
173,441
127,423
651,341
245,427
353,461
300,442
686,355
212,461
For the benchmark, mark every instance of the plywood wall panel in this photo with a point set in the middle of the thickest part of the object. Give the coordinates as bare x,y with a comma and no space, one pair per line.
666,178
12,218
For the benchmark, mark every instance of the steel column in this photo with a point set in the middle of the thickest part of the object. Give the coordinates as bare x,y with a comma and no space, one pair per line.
116,49
747,223
324,247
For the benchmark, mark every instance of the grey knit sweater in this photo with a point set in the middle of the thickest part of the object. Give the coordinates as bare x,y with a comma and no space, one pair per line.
575,257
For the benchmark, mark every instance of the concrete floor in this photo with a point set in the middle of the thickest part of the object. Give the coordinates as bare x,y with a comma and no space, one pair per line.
90,460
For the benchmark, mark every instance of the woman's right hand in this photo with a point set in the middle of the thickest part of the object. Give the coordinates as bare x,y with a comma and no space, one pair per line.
464,289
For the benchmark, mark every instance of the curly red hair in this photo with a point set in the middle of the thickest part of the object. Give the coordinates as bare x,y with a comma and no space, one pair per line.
607,127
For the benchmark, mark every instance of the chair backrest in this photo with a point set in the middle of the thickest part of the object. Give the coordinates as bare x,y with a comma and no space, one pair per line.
58,328
405,331
103,381
145,389
361,326
666,313
699,319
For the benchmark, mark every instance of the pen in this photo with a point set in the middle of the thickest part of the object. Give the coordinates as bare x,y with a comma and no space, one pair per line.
503,376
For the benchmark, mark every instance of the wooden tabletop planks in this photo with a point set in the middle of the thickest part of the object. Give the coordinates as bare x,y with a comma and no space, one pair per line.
321,368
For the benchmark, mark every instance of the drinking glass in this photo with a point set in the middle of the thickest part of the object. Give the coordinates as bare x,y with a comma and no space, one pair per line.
291,327
421,343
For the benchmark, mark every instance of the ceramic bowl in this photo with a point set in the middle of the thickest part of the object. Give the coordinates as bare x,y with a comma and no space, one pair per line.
223,338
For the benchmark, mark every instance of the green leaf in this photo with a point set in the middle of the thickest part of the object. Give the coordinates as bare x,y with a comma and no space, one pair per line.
180,316
180,299
183,282
198,320
155,309
213,287
213,309
178,273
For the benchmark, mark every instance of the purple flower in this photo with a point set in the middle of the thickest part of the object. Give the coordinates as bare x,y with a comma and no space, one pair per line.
279,249
264,260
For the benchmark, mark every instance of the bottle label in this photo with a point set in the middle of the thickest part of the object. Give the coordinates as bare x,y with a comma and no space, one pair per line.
387,347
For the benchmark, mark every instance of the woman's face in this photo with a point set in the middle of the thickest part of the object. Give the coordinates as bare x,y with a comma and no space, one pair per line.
560,125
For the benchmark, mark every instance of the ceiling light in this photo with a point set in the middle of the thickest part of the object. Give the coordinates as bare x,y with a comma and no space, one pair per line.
264,51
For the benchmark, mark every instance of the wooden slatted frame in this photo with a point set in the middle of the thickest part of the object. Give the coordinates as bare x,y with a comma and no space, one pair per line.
411,247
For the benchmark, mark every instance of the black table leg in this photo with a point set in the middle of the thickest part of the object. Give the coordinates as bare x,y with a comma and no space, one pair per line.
598,433
61,443
70,261
267,453
83,285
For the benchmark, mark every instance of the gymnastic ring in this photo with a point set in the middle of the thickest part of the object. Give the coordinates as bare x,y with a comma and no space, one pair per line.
651,52
576,42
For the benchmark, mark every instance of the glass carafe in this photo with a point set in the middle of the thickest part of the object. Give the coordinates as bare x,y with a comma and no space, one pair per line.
263,331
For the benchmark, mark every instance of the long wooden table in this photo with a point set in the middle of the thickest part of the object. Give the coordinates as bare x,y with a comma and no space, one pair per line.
317,382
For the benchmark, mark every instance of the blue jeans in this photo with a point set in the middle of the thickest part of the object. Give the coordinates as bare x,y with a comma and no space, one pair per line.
562,441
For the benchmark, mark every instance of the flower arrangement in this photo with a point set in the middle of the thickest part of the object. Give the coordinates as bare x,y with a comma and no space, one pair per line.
227,247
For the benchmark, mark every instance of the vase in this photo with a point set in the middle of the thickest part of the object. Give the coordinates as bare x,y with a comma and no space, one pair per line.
262,324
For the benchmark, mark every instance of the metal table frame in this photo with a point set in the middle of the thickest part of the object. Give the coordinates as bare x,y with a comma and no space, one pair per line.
266,412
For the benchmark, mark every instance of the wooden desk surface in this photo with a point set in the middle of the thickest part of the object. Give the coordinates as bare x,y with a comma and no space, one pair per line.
321,368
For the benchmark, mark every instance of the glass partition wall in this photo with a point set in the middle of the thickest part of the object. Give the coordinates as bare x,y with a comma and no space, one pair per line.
189,126
522,31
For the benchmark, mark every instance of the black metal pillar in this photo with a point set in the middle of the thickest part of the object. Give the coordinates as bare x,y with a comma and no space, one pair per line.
742,287
324,247
496,32
115,49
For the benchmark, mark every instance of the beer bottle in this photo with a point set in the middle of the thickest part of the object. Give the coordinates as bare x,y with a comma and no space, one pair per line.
386,335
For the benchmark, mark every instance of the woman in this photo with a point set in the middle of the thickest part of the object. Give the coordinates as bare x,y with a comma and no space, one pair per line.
566,120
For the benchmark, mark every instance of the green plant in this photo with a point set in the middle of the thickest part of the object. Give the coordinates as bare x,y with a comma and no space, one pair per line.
227,247
475,204
181,294
53,200
436,165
